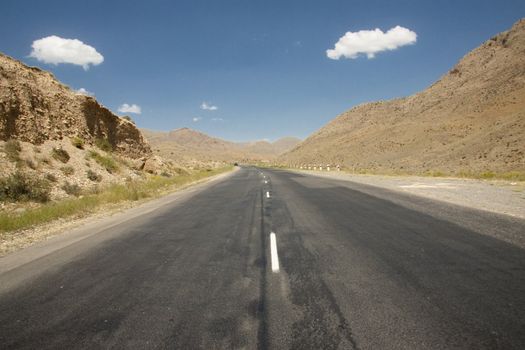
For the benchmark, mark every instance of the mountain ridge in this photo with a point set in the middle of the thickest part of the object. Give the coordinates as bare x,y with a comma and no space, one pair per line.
186,144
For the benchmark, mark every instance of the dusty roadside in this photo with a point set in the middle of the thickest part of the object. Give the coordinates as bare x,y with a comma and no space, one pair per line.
498,196
104,215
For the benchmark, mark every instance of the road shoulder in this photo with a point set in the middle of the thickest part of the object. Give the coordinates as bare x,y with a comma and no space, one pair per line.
73,231
501,197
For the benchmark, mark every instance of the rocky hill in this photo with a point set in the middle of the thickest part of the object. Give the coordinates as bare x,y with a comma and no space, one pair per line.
35,107
66,143
185,145
471,120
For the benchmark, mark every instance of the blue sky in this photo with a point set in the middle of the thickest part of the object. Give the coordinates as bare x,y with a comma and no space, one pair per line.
263,64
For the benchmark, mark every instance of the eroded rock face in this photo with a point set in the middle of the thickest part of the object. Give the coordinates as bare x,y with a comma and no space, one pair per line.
35,107
154,165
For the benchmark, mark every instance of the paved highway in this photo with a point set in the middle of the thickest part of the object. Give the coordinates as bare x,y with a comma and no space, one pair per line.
352,267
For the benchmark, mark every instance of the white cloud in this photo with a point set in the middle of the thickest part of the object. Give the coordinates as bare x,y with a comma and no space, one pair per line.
196,119
370,42
217,119
83,91
55,50
125,108
205,106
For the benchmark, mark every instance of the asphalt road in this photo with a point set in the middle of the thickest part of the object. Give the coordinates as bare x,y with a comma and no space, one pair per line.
359,268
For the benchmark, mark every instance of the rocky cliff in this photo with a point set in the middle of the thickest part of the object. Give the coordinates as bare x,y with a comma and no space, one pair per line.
35,107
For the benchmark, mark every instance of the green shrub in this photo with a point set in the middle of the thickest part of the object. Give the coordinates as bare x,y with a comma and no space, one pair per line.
128,118
60,154
104,144
436,173
105,161
78,142
513,176
72,189
31,164
181,171
12,149
50,177
45,160
487,175
21,187
67,170
93,176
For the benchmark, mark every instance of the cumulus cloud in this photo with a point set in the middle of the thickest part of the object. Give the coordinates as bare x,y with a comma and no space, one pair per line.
217,119
205,106
196,119
85,92
370,42
55,50
125,108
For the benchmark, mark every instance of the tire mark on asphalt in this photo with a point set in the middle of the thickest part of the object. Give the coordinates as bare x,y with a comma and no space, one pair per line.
262,334
321,323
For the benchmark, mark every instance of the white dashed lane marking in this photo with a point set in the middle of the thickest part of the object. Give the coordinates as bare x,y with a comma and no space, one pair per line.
273,251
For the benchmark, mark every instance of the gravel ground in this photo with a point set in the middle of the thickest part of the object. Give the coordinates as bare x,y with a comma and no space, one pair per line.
503,197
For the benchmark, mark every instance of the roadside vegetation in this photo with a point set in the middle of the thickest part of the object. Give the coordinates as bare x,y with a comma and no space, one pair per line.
60,155
489,175
484,175
25,189
78,142
108,162
19,187
12,149
104,144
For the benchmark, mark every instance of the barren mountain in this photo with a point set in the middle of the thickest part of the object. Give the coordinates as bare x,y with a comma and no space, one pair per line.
471,120
285,144
186,145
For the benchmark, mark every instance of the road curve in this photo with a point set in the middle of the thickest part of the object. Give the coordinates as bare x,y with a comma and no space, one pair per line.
358,268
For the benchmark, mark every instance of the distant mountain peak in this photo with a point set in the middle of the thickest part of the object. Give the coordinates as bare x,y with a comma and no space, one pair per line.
189,144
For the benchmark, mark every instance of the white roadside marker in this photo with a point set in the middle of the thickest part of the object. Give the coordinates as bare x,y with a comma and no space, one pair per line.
273,251
267,194
265,181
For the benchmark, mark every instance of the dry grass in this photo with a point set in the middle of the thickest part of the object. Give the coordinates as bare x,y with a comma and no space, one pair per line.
12,149
518,176
105,161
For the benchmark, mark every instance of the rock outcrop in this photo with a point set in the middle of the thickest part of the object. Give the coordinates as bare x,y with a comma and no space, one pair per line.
35,107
